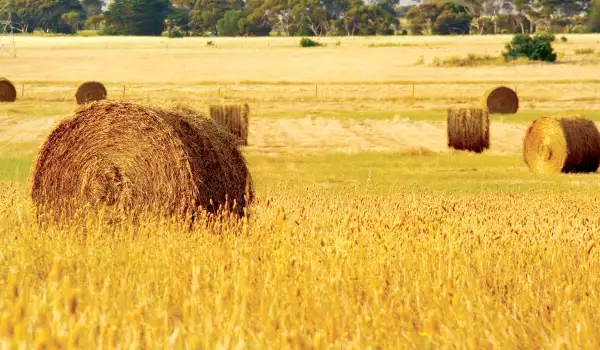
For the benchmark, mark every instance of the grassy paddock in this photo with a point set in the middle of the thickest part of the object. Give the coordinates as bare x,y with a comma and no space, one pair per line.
366,231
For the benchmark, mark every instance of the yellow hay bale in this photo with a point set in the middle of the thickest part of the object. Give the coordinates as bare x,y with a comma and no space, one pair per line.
468,129
90,91
501,100
235,118
131,158
8,93
566,145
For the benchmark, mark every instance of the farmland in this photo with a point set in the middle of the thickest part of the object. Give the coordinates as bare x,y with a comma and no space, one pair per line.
366,231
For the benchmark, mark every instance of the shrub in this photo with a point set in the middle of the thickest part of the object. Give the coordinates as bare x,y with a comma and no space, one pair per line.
175,33
536,48
472,59
587,51
306,42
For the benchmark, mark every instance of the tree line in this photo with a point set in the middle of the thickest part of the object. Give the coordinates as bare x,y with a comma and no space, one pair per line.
306,17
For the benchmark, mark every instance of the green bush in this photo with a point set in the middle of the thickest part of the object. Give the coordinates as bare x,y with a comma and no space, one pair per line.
536,48
175,33
306,42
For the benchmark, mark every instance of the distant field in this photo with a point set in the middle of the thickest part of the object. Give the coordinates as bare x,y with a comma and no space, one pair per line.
366,232
230,60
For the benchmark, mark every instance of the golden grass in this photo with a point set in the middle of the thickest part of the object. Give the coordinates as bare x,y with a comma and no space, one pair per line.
320,270
368,250
271,59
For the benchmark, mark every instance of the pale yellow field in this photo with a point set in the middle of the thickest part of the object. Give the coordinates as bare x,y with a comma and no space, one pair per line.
189,61
366,232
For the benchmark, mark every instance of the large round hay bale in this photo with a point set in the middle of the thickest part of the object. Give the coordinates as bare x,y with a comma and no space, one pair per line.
501,100
90,91
123,157
8,93
567,145
468,129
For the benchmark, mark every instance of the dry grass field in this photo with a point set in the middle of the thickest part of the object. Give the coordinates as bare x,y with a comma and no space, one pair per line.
366,231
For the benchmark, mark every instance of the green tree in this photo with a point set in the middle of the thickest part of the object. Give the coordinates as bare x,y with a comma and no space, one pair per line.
253,21
594,17
71,19
136,17
206,13
179,18
94,22
92,7
228,25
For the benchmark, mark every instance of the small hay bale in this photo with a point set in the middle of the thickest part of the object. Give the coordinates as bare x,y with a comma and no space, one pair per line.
501,100
567,145
123,157
8,93
90,91
468,129
235,118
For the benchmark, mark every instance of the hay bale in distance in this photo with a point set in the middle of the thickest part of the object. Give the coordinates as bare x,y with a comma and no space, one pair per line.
131,158
90,91
8,93
235,118
501,100
566,145
468,129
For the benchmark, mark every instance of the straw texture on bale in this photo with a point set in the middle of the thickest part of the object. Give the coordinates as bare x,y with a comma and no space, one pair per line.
130,158
90,91
235,118
567,145
501,100
8,93
468,129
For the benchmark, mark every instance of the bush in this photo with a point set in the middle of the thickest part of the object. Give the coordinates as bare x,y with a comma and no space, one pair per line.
471,60
588,51
536,48
175,33
306,42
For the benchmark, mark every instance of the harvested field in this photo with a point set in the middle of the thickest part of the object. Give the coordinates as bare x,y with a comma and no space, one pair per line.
366,231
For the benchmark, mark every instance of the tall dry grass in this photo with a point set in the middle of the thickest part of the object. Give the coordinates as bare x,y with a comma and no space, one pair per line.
317,270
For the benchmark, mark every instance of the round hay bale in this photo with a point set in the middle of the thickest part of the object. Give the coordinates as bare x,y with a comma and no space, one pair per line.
566,145
501,100
123,157
468,129
8,93
90,91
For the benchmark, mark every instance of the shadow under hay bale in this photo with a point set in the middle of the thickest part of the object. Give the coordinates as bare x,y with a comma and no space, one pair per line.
235,118
468,129
90,91
8,93
501,100
566,145
126,158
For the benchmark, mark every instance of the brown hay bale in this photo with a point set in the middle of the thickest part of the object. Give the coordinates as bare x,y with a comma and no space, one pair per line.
501,100
8,93
469,129
565,145
235,118
90,91
130,158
